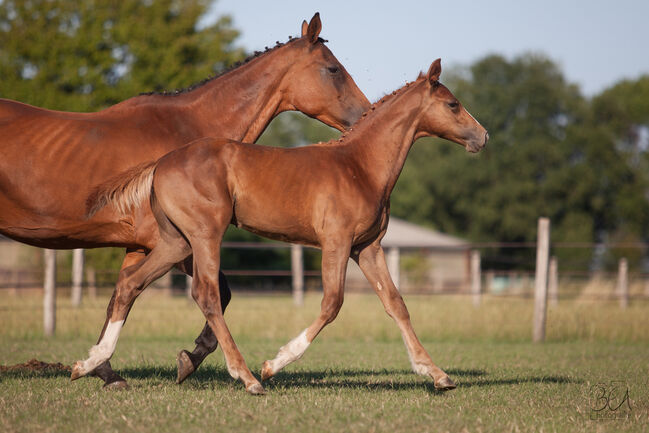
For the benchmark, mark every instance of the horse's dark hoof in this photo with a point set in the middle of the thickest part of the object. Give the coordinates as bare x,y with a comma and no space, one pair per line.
445,384
256,389
185,366
118,385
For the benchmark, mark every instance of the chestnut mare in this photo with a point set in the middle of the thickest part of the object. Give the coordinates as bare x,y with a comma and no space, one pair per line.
51,161
335,197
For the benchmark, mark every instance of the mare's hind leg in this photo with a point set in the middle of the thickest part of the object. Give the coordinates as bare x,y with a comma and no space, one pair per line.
372,262
171,249
105,371
334,267
206,342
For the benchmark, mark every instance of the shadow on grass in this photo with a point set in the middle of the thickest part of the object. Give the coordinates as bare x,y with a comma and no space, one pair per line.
383,379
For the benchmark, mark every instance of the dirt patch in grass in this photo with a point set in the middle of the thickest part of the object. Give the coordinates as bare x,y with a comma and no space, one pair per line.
36,365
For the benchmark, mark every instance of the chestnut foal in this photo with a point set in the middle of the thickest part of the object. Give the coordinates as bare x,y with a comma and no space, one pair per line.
333,196
52,160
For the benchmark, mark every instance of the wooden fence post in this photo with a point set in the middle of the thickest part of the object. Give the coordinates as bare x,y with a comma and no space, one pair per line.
392,259
91,280
541,280
623,283
476,278
188,286
49,293
297,272
553,282
77,276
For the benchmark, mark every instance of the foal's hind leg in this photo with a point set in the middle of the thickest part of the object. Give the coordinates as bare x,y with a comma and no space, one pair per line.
372,262
205,291
133,280
206,342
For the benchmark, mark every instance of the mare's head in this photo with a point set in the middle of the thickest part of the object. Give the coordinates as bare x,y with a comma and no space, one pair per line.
445,117
318,85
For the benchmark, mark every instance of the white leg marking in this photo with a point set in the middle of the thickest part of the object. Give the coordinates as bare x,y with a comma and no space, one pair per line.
292,351
379,286
105,349
417,367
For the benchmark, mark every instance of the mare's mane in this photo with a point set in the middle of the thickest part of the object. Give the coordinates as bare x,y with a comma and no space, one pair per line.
232,68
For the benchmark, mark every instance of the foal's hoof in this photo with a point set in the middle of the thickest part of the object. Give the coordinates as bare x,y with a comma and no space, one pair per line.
256,389
77,370
445,384
118,385
185,366
266,371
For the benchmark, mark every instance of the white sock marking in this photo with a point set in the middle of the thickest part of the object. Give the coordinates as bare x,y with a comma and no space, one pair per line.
417,367
291,352
105,349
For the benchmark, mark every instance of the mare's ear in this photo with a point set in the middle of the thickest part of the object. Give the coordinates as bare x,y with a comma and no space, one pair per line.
312,30
434,71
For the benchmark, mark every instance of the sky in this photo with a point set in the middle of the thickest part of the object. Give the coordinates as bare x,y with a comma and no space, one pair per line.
384,43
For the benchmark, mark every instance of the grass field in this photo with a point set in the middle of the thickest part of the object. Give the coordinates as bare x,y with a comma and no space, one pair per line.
355,377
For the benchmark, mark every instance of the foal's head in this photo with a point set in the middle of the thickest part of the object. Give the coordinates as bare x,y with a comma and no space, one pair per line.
318,85
445,117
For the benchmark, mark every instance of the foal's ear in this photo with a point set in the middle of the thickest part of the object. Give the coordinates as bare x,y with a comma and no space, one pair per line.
434,71
312,30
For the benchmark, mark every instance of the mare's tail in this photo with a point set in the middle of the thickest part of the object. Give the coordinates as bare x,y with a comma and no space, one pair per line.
125,191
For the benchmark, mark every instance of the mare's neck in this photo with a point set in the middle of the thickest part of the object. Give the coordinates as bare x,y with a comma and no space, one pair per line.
237,105
381,142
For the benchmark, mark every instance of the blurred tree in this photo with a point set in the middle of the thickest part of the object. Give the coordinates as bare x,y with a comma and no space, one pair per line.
89,54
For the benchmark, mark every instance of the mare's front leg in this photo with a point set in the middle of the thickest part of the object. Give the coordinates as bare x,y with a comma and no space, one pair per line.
104,370
334,267
372,262
206,342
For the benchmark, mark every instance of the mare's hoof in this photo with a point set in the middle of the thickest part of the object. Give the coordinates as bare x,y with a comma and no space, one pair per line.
118,385
185,366
266,371
256,389
445,384
77,371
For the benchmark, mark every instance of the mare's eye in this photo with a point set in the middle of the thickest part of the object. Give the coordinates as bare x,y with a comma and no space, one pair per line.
453,105
332,69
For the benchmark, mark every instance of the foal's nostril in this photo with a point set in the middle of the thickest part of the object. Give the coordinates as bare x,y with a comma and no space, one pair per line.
486,138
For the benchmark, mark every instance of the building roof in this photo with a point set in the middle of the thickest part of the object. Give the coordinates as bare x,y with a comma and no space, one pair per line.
403,234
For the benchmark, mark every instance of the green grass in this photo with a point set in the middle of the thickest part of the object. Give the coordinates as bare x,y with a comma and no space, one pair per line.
355,377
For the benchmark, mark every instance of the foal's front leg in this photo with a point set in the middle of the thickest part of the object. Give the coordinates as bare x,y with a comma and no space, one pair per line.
372,262
334,267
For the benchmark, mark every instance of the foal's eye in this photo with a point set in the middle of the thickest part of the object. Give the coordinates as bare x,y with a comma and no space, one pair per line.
453,105
332,69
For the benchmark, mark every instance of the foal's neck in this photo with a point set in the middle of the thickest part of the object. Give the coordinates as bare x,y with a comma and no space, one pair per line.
381,141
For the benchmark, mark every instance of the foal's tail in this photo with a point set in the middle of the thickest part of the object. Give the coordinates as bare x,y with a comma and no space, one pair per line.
125,191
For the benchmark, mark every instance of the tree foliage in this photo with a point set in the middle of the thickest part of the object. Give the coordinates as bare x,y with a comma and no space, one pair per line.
89,54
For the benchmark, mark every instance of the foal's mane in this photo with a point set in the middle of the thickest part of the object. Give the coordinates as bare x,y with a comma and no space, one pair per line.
370,113
232,68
